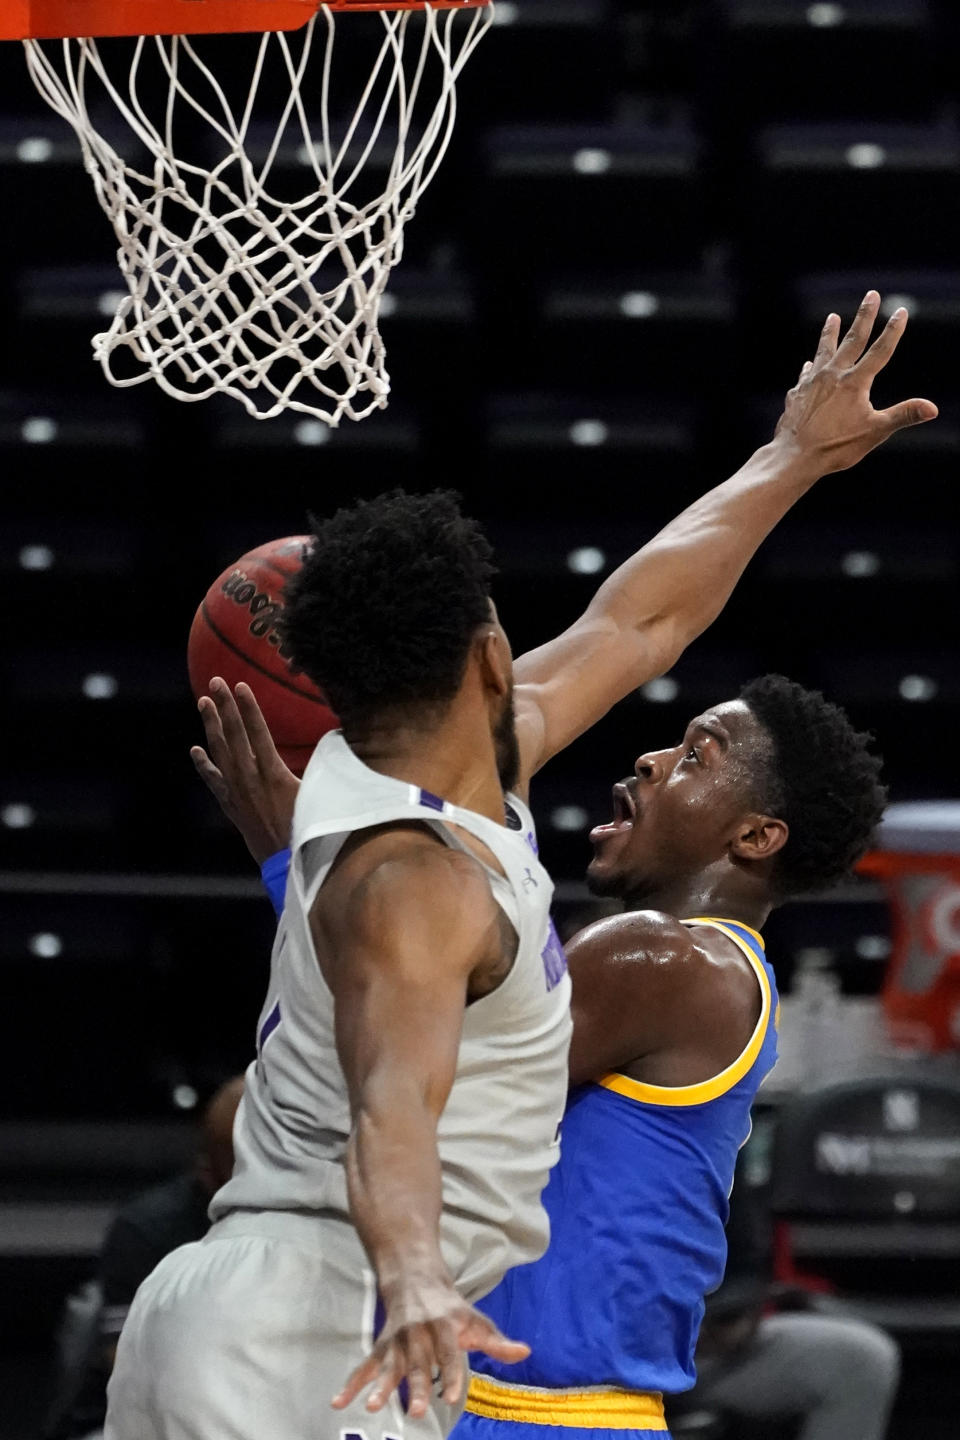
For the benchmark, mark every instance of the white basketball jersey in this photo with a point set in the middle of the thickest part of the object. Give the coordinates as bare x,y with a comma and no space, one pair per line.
497,1136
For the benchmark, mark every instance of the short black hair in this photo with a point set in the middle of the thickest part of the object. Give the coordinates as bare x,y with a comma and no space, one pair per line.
821,777
383,610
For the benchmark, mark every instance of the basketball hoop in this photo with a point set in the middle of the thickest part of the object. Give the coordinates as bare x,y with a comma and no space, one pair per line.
234,286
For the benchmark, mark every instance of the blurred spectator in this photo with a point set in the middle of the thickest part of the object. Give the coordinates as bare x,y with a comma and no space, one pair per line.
146,1229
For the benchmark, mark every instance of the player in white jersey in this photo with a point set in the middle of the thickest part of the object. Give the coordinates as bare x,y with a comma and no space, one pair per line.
401,1118
400,1113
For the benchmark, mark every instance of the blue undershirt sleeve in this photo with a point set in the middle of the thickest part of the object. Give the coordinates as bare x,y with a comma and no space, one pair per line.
274,874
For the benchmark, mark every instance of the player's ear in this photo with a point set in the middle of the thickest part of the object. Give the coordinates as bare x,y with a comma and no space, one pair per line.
493,656
759,837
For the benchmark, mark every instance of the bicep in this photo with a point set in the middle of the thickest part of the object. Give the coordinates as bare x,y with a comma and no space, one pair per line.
406,949
629,990
605,1037
396,1029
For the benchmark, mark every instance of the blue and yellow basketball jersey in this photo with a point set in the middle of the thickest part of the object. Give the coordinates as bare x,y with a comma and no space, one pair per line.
637,1207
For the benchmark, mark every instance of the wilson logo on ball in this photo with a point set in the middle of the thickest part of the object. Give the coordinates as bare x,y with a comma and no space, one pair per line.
236,634
262,607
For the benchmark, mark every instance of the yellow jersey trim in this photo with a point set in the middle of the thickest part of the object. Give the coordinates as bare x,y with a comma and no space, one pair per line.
590,1409
707,1089
714,920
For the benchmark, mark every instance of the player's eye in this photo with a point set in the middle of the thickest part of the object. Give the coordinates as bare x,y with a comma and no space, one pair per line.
692,754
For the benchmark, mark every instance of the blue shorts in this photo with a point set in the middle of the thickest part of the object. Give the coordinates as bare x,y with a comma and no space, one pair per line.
522,1412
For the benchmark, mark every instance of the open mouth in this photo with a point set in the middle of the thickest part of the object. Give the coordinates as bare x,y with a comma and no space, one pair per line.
624,813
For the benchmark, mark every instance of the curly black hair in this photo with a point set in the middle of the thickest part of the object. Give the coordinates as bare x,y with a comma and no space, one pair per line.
382,612
820,777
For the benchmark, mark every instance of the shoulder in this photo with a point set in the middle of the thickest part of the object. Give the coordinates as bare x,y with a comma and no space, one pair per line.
654,954
638,935
640,964
668,1003
399,853
401,877
642,932
400,860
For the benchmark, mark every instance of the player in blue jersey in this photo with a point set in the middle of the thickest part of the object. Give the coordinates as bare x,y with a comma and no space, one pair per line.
675,1011
676,1024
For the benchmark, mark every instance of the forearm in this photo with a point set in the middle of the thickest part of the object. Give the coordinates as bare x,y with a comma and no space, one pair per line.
395,1189
684,576
649,610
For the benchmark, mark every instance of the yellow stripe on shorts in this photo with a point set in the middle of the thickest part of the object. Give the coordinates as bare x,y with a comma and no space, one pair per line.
599,1409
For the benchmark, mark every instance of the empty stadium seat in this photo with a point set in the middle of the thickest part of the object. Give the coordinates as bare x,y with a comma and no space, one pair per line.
643,217
866,1185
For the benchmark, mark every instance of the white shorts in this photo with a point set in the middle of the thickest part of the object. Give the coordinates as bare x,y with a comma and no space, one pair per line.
247,1334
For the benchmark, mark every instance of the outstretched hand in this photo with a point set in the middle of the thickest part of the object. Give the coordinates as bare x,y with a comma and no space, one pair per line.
243,769
829,415
427,1332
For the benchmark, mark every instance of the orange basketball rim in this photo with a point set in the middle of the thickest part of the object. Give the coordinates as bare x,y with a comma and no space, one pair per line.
59,19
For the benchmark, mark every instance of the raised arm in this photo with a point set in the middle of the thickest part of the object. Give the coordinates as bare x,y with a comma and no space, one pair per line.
397,947
646,613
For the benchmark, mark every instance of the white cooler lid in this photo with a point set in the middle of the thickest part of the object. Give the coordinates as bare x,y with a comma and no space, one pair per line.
921,827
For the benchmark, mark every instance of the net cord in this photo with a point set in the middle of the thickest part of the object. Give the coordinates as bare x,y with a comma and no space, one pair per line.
201,323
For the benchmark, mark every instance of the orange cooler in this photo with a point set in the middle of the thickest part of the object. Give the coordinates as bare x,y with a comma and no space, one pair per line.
918,861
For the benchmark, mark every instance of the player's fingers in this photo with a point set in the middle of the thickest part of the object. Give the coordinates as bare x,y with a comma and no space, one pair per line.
418,1370
808,366
362,1376
234,734
500,1348
482,1334
210,716
885,344
208,772
452,1377
258,732
388,1377
857,338
907,413
213,730
450,1360
829,336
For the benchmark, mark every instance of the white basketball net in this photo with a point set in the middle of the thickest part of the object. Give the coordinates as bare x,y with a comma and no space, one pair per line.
233,290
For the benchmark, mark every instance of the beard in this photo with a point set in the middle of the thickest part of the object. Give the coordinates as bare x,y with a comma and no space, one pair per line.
606,885
631,885
506,745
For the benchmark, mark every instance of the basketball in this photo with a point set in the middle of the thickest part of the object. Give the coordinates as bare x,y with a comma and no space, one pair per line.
234,635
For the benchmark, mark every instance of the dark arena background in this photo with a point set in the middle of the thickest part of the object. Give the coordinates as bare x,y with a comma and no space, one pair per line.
645,215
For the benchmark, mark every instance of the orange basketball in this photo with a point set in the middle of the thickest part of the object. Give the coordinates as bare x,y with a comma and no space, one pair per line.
234,635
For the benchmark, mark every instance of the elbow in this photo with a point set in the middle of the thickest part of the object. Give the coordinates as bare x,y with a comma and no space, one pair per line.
670,635
382,1110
